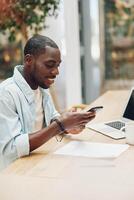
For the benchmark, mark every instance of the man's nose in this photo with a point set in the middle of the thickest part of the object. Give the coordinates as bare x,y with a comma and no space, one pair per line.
55,71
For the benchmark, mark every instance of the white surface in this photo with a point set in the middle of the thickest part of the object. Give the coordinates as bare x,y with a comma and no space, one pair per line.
96,150
129,130
64,30
72,57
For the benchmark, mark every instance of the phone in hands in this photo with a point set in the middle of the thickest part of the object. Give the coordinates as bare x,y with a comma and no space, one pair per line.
95,109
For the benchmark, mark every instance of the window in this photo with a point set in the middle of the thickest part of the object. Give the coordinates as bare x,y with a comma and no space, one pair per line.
119,39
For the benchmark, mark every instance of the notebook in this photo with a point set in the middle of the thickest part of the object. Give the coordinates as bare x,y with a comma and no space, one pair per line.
116,128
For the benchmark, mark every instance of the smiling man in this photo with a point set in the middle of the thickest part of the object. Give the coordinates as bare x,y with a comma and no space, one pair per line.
28,117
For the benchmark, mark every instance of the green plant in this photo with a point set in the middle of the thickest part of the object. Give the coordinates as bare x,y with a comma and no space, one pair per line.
17,16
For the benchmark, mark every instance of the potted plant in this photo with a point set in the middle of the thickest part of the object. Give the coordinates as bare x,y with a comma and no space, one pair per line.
17,19
20,16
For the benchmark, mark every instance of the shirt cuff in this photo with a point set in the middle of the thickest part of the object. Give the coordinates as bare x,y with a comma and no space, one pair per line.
22,145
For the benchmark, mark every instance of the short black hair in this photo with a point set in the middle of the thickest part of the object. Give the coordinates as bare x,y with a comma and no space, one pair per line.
37,44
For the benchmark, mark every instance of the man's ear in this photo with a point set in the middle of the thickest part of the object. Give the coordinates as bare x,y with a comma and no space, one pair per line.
29,59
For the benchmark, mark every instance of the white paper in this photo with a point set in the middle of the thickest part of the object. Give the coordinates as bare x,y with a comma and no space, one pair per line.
93,150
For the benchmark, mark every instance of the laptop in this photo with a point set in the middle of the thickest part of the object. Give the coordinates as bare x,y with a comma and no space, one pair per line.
116,128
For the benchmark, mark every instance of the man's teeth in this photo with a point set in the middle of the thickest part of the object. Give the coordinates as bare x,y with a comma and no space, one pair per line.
50,79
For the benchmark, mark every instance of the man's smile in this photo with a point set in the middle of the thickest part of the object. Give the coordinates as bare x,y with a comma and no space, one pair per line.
50,80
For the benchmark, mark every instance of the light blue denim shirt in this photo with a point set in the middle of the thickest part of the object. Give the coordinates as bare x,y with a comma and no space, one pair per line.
17,115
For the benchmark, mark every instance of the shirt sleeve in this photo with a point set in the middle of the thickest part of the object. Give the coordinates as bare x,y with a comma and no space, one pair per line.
13,142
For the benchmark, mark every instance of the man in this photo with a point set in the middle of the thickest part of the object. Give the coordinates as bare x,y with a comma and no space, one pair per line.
28,117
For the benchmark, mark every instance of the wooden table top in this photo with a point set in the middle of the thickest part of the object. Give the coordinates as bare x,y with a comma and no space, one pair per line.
44,175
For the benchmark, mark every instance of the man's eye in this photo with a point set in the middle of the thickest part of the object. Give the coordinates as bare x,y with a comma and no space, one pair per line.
49,66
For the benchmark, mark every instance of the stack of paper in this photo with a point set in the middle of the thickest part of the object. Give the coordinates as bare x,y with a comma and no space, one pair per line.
93,150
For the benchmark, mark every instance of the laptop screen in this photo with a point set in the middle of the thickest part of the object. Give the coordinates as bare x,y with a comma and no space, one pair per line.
129,111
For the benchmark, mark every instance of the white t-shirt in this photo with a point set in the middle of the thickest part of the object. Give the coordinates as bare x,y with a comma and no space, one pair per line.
39,111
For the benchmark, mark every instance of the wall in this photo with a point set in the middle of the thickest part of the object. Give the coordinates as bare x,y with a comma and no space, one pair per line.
65,31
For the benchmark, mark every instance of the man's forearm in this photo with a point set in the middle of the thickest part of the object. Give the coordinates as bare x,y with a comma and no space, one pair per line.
40,137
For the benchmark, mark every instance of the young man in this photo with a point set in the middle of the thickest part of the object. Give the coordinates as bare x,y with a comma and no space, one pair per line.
28,117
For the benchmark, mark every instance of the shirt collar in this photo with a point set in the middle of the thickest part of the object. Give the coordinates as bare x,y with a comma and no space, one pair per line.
22,84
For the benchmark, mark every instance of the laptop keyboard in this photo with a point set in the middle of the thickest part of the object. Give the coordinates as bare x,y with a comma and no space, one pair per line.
117,124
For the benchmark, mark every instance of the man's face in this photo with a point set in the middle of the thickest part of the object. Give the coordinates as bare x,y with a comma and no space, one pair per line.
45,67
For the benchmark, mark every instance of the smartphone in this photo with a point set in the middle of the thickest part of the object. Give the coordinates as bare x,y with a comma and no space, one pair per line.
95,109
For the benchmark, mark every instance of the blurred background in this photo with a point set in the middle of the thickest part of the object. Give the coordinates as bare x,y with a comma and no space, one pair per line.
96,39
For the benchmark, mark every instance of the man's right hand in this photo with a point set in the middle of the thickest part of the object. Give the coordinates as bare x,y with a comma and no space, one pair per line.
76,120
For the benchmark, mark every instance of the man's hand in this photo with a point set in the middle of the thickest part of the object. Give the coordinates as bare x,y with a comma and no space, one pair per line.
76,130
74,122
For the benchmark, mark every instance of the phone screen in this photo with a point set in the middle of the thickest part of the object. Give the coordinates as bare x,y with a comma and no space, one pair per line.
95,109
